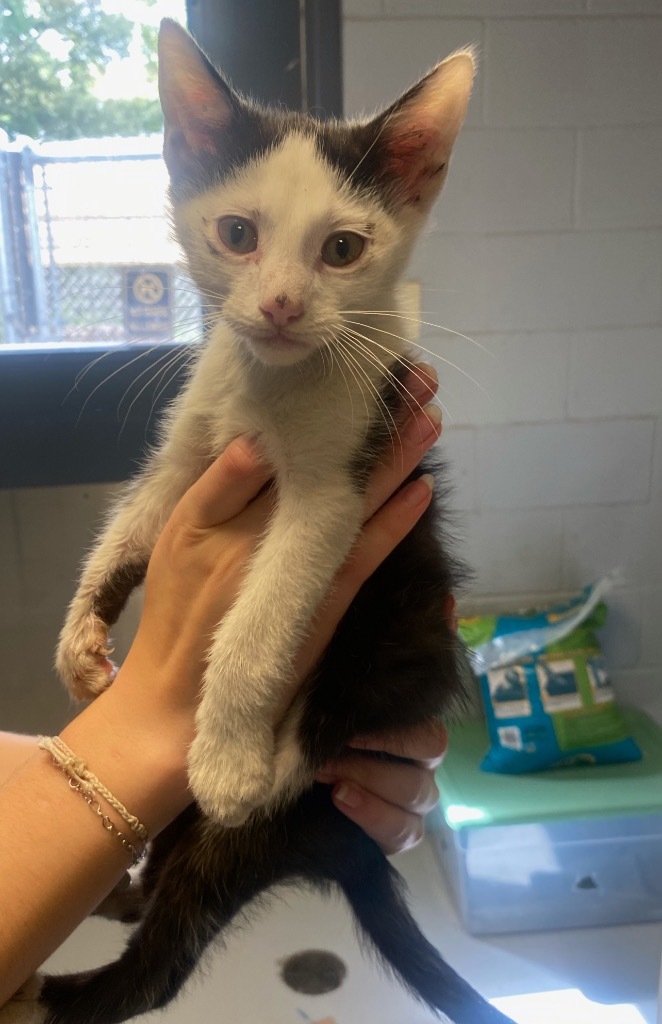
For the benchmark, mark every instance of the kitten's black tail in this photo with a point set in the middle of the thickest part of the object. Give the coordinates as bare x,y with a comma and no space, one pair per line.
381,911
375,892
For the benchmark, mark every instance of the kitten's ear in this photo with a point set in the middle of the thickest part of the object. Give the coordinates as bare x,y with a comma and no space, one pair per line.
197,104
417,133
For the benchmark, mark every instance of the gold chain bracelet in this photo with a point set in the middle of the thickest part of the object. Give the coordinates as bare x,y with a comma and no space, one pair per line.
83,781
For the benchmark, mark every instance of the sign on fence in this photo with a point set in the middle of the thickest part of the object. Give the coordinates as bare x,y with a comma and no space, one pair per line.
147,300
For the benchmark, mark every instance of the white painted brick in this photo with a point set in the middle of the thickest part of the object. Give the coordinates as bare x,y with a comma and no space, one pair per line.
588,71
616,373
523,377
31,697
640,688
458,447
513,552
546,282
362,8
619,177
485,8
50,567
621,637
622,84
533,71
651,628
599,539
656,484
382,58
556,464
627,7
509,180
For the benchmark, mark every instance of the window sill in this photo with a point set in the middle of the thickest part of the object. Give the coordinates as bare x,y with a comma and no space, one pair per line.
76,415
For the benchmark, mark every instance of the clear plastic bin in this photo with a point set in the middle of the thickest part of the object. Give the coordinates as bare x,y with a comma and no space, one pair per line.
565,848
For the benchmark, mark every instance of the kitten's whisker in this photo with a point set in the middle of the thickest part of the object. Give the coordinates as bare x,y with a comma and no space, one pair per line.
400,359
341,352
171,359
364,344
435,355
364,376
336,361
327,350
80,376
416,320
343,343
165,356
399,385
373,387
163,386
110,376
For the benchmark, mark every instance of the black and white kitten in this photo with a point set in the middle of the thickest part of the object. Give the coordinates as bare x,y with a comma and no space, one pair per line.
297,233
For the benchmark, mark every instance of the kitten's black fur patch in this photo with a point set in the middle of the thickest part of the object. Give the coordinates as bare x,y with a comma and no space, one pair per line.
112,597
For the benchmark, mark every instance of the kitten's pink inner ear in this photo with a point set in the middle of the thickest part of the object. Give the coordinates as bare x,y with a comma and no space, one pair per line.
421,133
193,100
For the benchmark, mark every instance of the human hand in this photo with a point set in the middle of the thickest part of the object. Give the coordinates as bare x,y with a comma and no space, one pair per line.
390,799
201,557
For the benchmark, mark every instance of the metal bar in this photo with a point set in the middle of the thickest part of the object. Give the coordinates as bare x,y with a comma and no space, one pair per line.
33,243
54,309
8,296
39,158
323,57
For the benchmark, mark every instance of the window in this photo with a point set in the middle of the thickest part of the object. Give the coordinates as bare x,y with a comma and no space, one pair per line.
96,317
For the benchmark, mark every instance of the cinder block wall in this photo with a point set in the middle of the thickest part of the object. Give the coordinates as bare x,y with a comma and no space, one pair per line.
546,249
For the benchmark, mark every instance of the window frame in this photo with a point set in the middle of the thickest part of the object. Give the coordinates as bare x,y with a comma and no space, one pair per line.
288,52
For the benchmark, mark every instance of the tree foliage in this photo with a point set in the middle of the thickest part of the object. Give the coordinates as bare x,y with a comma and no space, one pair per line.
46,90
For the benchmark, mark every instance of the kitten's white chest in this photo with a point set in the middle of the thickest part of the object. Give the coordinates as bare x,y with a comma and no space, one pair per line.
311,420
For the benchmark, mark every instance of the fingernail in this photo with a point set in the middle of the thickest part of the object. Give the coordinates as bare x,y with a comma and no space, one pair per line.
425,424
418,385
347,795
419,490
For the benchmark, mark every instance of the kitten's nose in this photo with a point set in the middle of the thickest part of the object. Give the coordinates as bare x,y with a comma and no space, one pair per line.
281,310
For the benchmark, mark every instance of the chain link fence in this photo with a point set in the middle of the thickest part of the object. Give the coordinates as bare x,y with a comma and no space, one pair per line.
85,250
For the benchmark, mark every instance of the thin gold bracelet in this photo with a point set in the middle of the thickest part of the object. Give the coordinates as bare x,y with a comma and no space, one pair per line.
83,781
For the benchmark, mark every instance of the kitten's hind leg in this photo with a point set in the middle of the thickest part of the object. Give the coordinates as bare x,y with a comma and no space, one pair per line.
204,883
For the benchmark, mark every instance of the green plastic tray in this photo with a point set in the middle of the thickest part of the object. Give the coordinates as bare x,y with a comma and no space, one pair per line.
471,797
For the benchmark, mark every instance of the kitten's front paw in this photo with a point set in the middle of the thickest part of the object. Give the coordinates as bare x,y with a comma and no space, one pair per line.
82,660
229,780
24,1007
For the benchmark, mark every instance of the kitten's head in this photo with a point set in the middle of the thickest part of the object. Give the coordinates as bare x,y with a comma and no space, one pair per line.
288,223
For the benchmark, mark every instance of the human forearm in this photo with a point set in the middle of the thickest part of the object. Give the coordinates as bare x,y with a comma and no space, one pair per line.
44,898
15,749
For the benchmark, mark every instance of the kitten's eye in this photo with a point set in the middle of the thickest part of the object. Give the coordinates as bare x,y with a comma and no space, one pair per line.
238,234
342,248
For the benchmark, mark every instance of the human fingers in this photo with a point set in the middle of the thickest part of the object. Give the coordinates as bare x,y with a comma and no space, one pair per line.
407,786
391,827
419,387
417,435
424,745
226,487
